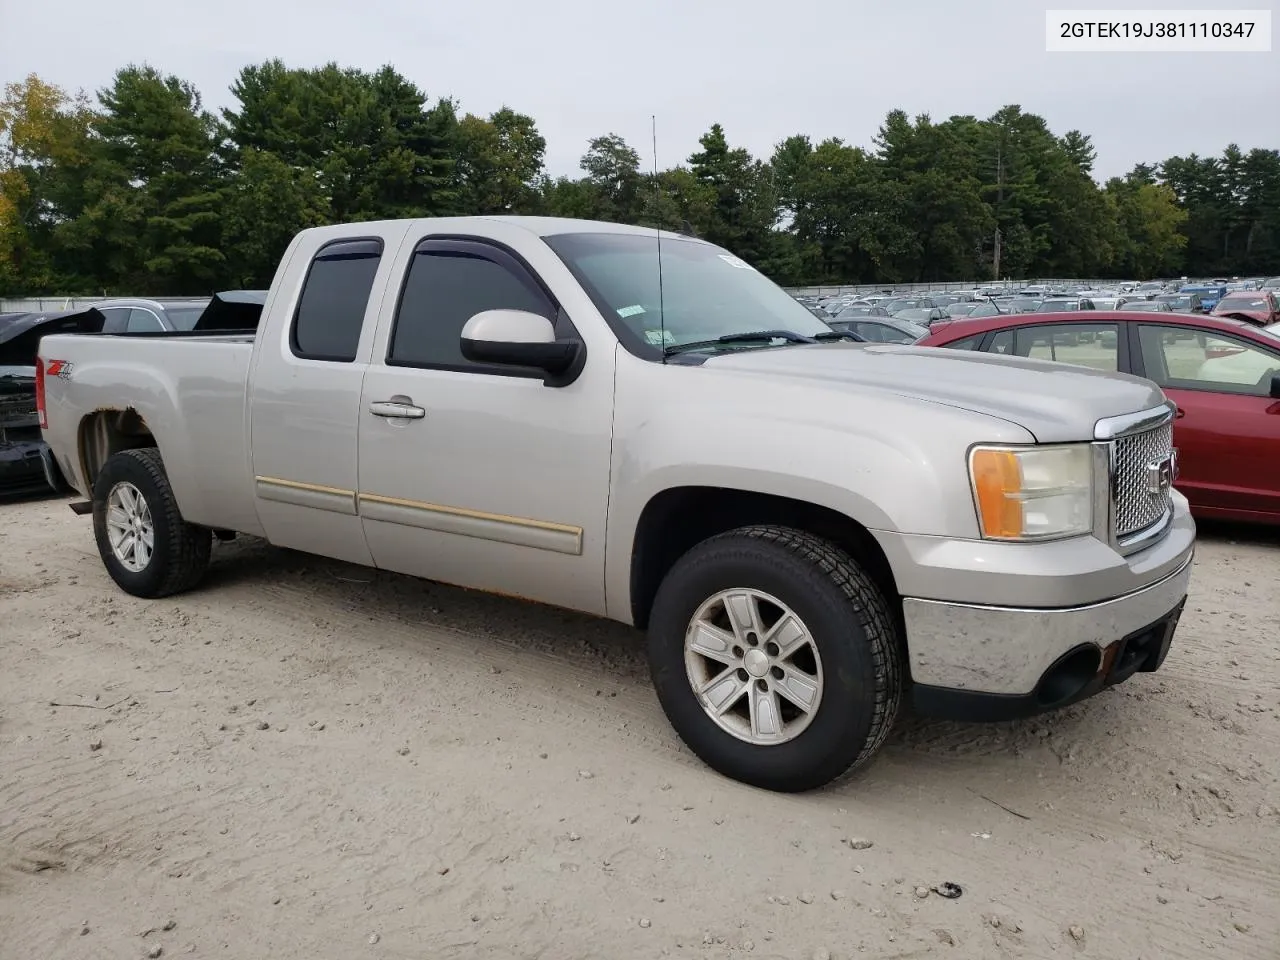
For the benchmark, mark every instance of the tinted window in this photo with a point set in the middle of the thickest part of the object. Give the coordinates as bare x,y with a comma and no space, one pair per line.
334,297
1093,345
875,332
970,343
117,319
143,321
443,291
1194,360
184,318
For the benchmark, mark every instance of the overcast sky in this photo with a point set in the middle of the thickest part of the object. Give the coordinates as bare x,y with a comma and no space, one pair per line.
764,70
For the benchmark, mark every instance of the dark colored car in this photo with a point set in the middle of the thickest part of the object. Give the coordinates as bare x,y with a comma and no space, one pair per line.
25,463
881,329
854,311
1261,307
1223,374
1209,294
1181,302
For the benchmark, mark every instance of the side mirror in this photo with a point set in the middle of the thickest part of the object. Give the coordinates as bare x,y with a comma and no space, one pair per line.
518,338
1275,386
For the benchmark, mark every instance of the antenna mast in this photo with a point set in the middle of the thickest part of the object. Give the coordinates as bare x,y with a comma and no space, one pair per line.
657,209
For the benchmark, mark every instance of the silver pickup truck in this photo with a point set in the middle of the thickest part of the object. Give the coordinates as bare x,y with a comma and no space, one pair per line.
643,427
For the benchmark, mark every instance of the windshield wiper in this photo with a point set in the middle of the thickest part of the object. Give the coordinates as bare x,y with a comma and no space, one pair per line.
828,335
788,335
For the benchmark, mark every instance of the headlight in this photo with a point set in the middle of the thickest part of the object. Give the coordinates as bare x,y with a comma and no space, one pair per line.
1033,493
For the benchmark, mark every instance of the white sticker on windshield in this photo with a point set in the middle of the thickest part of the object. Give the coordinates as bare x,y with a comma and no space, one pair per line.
736,262
659,338
631,311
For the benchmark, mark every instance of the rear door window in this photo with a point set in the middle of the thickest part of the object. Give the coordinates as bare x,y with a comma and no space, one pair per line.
335,295
1095,345
143,321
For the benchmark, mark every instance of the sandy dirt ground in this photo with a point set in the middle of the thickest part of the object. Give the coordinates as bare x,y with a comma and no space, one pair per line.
302,759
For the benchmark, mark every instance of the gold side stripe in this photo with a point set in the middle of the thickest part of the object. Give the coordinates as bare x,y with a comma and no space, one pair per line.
423,505
299,485
472,514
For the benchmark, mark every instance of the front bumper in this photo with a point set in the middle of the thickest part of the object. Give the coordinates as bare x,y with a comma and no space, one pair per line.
26,466
1056,622
998,663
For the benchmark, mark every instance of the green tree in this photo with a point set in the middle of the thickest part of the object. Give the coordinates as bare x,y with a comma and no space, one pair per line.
612,170
44,156
153,220
1150,227
371,140
499,161
744,208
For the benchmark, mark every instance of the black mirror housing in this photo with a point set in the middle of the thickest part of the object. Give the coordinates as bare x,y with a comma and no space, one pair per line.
555,358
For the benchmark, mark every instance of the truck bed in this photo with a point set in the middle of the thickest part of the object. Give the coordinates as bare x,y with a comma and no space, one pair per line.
188,388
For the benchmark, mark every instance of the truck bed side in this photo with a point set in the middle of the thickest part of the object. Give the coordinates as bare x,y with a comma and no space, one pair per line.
185,395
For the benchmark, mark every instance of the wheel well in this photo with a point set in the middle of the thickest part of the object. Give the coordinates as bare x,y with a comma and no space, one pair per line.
676,520
105,432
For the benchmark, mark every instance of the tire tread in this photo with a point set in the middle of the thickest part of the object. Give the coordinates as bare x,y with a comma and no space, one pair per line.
189,546
868,601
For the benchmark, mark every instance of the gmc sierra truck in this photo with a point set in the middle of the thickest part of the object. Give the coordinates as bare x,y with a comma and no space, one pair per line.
641,426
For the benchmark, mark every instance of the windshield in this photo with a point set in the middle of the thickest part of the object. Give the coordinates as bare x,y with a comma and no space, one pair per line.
706,292
1243,303
916,315
1057,306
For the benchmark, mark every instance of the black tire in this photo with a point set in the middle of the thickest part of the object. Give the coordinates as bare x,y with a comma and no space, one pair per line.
181,550
853,630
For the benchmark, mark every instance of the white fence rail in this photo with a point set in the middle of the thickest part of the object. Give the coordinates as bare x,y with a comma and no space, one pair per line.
49,304
836,290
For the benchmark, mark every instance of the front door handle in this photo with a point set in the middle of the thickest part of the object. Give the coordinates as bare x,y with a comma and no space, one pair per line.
1180,414
396,410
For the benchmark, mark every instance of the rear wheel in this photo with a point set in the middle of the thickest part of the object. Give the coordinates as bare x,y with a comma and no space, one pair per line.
147,547
775,658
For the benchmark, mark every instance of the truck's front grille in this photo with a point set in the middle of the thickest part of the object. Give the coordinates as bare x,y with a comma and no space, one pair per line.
1142,476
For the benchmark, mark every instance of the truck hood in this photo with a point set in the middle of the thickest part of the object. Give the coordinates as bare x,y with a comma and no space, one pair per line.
20,335
1055,402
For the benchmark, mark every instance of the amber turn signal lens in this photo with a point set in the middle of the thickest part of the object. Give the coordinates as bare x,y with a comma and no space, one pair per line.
997,481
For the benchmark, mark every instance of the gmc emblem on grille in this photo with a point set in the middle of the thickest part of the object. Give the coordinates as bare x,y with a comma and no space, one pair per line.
1161,474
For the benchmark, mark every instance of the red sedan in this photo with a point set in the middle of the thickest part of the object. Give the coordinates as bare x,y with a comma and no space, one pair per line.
1257,306
1223,374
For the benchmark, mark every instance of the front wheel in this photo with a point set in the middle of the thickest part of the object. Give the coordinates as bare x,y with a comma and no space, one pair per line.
147,547
775,658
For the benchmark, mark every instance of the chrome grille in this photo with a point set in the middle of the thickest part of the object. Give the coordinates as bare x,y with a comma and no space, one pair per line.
1139,500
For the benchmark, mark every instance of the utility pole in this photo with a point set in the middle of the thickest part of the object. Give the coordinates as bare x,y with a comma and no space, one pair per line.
995,266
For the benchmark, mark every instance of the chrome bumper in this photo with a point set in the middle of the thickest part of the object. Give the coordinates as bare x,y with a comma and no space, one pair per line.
1007,650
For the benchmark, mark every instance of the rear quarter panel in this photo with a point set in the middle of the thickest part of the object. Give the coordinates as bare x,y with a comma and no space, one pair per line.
189,392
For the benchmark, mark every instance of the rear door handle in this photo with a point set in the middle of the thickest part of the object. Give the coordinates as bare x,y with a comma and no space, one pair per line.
1181,413
396,410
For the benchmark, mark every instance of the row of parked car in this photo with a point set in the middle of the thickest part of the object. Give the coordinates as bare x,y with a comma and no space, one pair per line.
886,318
25,464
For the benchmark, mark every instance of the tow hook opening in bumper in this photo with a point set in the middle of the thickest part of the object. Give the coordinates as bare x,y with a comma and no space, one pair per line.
1069,676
